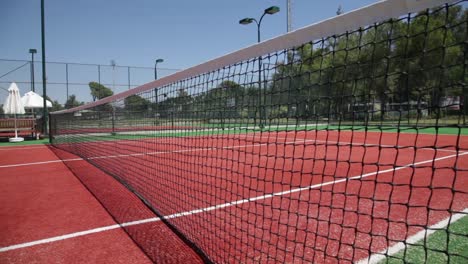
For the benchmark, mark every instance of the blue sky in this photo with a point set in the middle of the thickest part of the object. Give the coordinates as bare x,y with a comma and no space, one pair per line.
182,32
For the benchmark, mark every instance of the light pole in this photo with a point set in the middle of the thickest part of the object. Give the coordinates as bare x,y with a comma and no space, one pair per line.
113,64
156,68
269,11
45,115
32,51
156,77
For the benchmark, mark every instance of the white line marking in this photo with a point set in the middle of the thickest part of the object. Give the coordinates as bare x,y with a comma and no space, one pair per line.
78,234
58,238
211,148
423,234
138,154
37,163
20,148
125,141
344,143
219,206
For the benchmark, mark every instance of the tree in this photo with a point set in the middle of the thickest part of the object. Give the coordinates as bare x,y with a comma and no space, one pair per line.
430,59
250,101
179,106
183,102
72,102
393,63
224,100
99,91
56,106
136,103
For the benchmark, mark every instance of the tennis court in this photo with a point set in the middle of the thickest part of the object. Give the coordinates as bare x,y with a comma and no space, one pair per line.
321,195
345,141
332,143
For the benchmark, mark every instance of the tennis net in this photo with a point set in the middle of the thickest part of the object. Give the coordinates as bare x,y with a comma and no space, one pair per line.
344,141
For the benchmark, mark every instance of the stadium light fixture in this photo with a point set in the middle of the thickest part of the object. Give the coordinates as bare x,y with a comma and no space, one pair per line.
246,21
272,10
156,68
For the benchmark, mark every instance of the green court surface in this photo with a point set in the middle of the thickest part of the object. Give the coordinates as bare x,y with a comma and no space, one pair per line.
216,129
4,142
433,249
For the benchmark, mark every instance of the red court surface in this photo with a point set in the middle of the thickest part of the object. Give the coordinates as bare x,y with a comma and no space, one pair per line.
46,200
265,197
291,197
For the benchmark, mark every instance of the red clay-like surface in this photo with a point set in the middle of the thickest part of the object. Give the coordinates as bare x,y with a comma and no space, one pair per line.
43,201
46,201
161,244
408,182
112,246
25,154
321,197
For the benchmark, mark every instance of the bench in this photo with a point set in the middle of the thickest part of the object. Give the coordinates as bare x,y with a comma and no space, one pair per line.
25,127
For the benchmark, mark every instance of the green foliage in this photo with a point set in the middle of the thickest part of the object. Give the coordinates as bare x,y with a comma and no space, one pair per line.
179,106
279,112
72,102
224,101
395,62
56,106
99,91
136,103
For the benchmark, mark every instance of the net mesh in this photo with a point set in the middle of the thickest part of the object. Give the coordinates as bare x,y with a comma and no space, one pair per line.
345,148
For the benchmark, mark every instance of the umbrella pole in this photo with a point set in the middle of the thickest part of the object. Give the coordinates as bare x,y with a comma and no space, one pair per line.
16,129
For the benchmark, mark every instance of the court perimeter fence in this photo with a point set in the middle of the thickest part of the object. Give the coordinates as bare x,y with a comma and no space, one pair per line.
71,78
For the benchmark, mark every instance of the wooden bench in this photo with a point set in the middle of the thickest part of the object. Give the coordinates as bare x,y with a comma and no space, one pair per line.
25,127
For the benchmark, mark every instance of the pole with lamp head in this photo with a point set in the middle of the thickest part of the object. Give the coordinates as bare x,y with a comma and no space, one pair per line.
245,21
45,114
32,51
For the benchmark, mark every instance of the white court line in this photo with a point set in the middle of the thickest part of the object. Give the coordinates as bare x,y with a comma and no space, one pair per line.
136,154
423,234
123,141
344,143
219,206
37,163
202,149
20,148
126,155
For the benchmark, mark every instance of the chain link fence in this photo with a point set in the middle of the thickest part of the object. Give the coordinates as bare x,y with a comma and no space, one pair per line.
65,79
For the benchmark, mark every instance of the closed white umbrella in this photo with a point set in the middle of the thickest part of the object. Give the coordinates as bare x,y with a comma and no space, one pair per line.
13,106
32,100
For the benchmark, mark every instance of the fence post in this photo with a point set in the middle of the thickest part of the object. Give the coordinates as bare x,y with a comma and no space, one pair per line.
128,75
66,77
